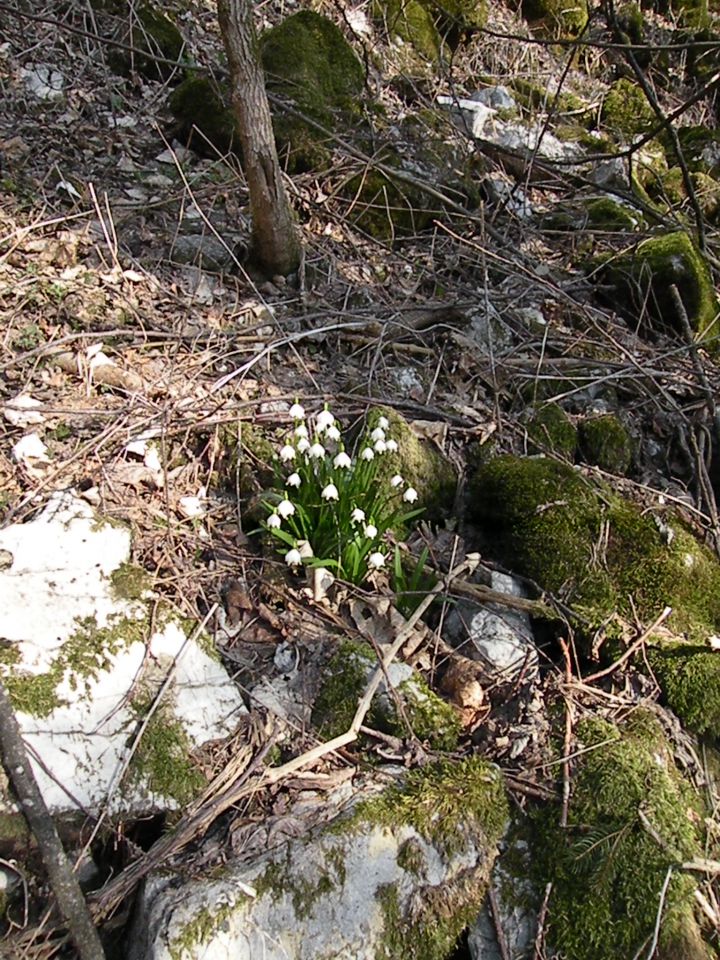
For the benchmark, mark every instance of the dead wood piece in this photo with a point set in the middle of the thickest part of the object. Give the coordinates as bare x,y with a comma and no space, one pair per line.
63,881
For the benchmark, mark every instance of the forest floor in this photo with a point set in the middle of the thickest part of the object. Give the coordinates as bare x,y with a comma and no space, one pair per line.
108,323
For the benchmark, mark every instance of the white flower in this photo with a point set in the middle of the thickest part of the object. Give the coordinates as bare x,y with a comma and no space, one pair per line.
380,446
370,531
375,561
297,411
330,492
391,445
303,444
293,558
358,515
293,480
368,454
410,495
273,521
397,481
285,509
317,450
287,453
342,461
383,423
324,420
301,430
377,434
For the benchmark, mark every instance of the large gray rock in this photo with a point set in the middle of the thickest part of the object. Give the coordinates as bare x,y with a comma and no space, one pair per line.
399,877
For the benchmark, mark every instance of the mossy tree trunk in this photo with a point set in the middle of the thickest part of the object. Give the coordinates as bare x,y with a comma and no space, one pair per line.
275,241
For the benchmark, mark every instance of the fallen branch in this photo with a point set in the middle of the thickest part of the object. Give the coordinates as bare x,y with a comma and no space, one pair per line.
63,881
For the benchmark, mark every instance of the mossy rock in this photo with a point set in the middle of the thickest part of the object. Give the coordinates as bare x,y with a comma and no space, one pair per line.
700,146
638,282
702,62
386,208
691,13
433,721
605,214
412,22
429,25
560,18
689,676
420,463
551,430
606,443
152,34
544,520
204,120
606,869
625,110
246,462
307,60
707,191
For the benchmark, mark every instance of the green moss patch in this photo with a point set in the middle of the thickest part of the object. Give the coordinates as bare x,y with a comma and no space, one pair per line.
625,110
308,60
80,659
639,281
420,463
606,214
544,521
345,678
606,443
162,758
690,679
561,18
551,430
204,120
607,870
153,34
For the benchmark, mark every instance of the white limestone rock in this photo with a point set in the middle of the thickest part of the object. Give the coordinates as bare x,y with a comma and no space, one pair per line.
82,661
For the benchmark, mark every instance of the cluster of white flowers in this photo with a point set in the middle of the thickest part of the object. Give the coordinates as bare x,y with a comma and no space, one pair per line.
332,500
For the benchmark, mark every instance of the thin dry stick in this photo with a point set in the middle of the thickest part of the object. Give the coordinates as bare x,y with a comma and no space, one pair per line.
63,881
635,645
538,951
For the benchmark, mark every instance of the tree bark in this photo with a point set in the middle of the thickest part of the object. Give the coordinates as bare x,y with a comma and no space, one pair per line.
275,240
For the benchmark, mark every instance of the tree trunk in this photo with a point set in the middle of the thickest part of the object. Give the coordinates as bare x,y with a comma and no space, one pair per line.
275,241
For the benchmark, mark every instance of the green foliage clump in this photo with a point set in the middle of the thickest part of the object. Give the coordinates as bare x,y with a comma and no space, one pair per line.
199,105
639,281
336,508
625,110
606,443
606,868
551,430
308,60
